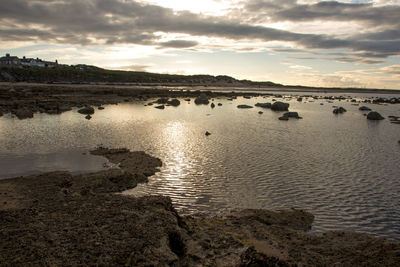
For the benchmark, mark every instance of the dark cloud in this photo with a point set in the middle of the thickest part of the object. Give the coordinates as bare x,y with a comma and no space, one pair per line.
88,22
178,44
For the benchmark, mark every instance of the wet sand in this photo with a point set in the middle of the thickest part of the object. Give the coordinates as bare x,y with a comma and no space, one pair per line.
59,219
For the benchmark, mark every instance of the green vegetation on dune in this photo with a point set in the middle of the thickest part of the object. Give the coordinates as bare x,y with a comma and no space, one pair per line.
86,74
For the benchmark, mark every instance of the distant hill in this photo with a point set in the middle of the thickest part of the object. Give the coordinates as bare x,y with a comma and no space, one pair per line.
92,74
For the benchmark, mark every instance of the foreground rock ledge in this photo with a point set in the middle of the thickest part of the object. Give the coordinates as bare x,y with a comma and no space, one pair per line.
59,219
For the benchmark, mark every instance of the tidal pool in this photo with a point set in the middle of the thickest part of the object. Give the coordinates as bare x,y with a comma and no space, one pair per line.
342,168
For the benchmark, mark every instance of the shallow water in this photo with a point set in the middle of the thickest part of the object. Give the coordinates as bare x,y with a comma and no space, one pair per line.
342,168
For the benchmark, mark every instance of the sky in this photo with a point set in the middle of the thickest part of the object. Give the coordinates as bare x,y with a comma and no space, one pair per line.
303,42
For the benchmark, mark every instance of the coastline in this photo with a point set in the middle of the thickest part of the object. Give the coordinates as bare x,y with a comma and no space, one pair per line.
55,218
25,99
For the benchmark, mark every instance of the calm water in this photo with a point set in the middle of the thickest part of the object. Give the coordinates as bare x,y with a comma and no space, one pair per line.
342,168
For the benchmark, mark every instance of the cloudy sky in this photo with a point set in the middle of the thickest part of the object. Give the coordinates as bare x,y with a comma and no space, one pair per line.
317,43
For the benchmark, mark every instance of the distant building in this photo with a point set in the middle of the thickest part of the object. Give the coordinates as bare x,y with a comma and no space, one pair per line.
27,62
9,60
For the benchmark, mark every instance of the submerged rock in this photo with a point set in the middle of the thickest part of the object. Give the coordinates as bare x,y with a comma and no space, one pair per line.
212,105
373,115
263,105
339,110
280,106
292,115
364,108
160,107
244,106
86,110
174,102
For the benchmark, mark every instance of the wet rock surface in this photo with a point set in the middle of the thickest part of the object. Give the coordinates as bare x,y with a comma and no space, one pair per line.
280,106
373,115
244,106
339,110
56,218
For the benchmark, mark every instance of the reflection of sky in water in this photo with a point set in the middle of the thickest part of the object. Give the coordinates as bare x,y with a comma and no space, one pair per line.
343,168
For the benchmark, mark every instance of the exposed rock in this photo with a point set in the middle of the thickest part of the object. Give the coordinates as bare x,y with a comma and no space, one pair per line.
219,104
339,110
100,107
23,113
207,133
174,102
78,219
280,106
162,101
86,110
283,118
260,112
202,100
88,117
300,99
263,105
212,105
373,115
291,115
244,106
160,107
364,108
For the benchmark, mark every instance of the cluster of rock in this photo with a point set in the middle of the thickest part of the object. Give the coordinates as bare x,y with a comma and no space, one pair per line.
288,115
202,99
339,110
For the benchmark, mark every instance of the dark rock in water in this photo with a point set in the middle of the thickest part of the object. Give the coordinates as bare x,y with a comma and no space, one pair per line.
280,106
247,97
212,105
364,108
219,104
86,110
100,108
395,122
283,118
300,99
291,115
150,104
88,117
260,112
160,107
244,106
339,110
174,102
207,133
1,113
24,113
162,101
202,100
373,115
187,99
263,105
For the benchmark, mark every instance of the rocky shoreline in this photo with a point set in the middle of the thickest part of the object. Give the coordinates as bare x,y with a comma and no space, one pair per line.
23,100
59,219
